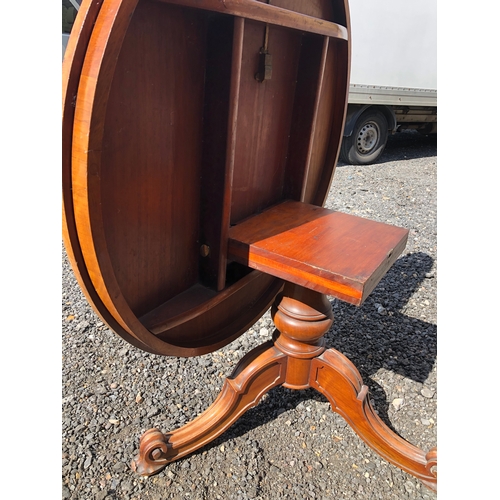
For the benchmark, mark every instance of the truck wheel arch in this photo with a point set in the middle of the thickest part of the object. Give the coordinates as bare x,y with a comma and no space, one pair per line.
354,111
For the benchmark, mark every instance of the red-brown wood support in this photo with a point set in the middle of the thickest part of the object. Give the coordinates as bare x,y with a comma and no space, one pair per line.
297,359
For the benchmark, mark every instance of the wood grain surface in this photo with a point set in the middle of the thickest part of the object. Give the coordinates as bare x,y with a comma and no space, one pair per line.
170,139
331,252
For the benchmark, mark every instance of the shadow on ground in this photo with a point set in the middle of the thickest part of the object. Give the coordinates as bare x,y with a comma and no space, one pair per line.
407,145
371,339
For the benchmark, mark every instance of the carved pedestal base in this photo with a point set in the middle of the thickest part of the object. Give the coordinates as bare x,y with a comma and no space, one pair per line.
297,359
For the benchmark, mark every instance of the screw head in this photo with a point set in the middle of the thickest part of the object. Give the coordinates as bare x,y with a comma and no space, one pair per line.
204,250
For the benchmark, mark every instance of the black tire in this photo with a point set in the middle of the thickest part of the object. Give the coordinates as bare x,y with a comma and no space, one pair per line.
368,139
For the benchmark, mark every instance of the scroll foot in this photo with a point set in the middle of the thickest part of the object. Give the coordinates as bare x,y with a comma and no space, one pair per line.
297,360
258,372
153,453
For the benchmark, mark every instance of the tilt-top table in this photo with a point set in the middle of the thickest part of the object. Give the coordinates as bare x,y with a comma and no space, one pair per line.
200,138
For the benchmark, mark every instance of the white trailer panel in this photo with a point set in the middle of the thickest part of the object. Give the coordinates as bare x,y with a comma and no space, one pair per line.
393,74
394,43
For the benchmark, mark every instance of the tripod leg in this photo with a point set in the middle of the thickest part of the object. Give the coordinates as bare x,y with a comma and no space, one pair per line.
339,381
259,371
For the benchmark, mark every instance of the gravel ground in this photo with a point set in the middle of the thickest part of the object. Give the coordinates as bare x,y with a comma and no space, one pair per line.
291,445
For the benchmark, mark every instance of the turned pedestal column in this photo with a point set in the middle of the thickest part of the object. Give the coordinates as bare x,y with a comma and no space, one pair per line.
297,359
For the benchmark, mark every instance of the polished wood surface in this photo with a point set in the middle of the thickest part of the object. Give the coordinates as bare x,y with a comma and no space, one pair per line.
71,73
200,138
257,10
331,252
297,359
170,136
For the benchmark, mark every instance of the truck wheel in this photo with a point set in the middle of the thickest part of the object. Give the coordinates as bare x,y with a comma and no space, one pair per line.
367,141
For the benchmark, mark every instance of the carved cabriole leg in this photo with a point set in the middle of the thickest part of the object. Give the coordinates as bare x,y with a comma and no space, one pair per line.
336,377
259,371
302,317
297,359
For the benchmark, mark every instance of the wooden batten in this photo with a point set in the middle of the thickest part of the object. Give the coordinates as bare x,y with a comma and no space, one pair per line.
177,137
199,142
314,120
234,99
270,14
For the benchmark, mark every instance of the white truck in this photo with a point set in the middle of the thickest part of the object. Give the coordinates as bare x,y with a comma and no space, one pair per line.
393,74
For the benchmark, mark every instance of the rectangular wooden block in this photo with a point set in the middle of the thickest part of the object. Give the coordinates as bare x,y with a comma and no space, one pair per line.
334,253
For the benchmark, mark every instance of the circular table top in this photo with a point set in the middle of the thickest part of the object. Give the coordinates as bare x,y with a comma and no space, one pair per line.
170,138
